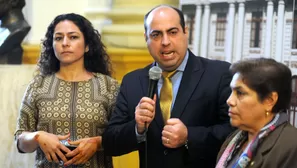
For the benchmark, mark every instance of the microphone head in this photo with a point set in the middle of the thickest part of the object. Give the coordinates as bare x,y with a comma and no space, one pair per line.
155,73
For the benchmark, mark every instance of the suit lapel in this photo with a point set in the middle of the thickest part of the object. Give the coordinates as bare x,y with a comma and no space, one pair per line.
144,80
158,115
191,77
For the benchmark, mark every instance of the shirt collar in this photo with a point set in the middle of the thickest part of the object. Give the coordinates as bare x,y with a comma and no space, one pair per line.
182,66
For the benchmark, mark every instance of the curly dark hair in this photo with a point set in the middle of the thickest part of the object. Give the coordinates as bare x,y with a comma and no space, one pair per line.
95,60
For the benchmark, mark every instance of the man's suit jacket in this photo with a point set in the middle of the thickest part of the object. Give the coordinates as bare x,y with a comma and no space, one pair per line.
200,104
278,149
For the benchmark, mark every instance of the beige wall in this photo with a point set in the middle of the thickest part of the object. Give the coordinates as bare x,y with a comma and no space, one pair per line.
39,14
14,80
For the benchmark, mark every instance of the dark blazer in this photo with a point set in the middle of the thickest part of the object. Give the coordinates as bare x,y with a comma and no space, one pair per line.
278,149
200,104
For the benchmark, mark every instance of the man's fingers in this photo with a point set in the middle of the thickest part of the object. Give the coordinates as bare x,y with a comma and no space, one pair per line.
148,100
155,98
166,133
146,106
173,121
146,119
147,113
168,128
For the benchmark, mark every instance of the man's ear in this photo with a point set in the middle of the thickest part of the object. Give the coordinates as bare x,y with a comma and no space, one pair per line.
87,49
270,101
187,31
145,36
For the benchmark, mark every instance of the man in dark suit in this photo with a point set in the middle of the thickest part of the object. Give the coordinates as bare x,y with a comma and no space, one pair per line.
198,122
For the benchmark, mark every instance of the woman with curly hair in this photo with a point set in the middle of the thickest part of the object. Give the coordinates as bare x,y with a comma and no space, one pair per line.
67,105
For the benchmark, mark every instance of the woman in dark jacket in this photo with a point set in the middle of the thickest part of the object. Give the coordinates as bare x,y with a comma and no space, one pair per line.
261,92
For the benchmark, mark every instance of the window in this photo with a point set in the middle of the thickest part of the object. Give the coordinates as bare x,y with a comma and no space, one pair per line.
220,29
190,22
294,36
256,30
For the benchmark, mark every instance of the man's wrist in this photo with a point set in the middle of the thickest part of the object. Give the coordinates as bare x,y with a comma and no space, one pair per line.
140,137
140,131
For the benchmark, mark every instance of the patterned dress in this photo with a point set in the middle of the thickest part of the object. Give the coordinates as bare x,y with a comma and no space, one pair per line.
61,107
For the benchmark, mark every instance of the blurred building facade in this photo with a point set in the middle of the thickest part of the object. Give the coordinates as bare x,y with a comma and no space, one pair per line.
237,29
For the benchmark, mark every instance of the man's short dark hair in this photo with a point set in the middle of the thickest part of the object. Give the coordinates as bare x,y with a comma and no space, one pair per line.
179,12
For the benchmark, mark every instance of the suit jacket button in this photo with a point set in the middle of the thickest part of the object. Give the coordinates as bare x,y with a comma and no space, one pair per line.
165,152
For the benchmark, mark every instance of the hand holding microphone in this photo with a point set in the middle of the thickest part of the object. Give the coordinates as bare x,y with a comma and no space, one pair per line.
145,110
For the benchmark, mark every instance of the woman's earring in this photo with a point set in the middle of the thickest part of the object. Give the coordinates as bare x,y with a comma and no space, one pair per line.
267,113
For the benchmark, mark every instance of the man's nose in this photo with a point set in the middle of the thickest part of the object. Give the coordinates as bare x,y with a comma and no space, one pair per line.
165,40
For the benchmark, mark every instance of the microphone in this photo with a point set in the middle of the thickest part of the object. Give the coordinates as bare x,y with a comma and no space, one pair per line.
155,74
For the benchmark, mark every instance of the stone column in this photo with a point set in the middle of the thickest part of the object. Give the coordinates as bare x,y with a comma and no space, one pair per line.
280,31
239,40
205,30
229,32
269,17
196,42
96,12
127,30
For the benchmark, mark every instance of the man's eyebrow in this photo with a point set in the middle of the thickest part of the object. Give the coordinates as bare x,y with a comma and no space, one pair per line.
155,31
173,28
159,31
